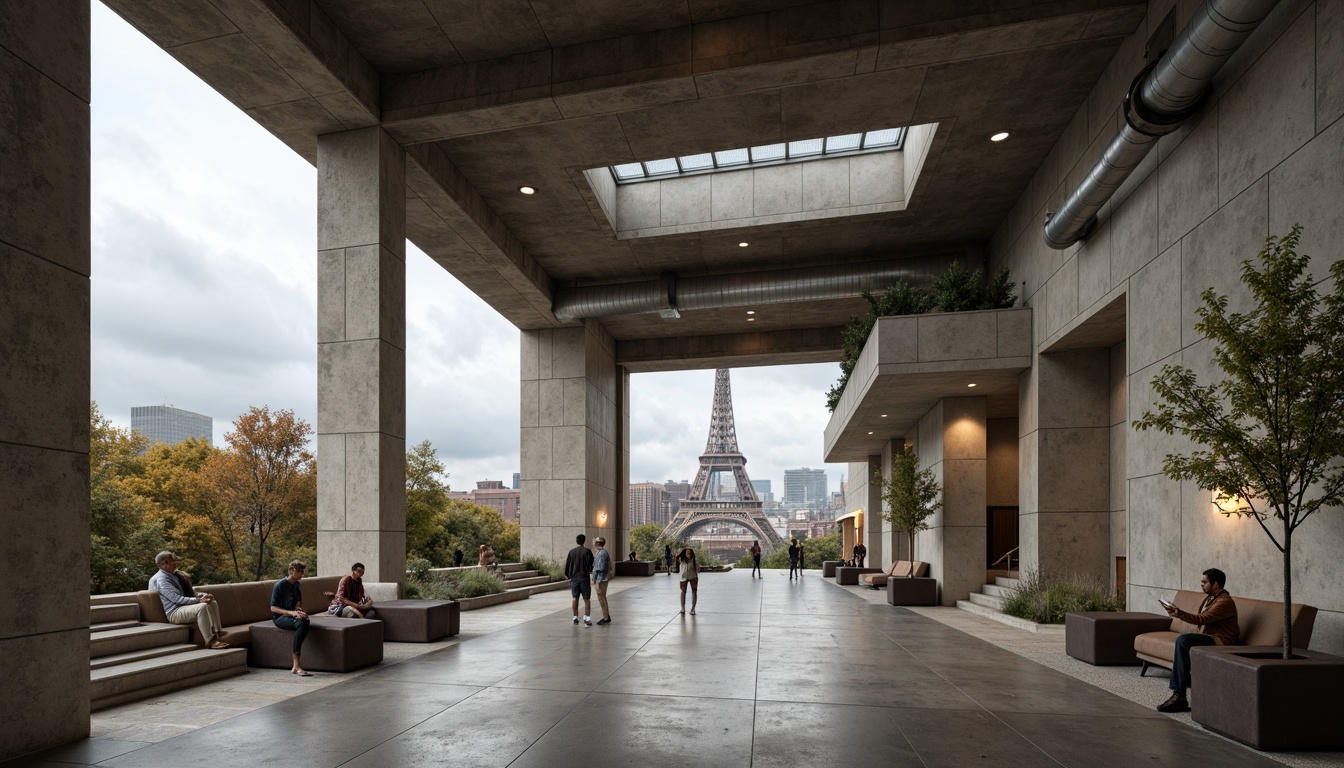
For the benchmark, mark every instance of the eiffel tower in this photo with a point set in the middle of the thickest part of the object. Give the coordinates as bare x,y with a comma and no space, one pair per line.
722,455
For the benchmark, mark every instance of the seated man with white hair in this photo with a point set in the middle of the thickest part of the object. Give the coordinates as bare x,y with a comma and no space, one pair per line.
184,605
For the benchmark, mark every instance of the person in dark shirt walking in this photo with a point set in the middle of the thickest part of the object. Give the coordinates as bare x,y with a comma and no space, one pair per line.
800,560
667,557
793,558
457,557
579,569
287,611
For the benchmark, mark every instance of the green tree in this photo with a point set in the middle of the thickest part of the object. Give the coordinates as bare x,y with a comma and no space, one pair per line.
815,552
123,539
1271,431
647,542
426,497
468,525
910,497
199,527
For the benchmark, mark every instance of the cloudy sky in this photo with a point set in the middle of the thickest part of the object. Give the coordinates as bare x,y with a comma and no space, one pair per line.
204,297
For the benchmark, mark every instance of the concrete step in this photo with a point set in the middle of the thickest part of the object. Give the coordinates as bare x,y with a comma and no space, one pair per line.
512,575
988,601
995,590
105,626
551,587
528,582
1012,621
101,614
134,680
1004,581
512,567
113,641
140,655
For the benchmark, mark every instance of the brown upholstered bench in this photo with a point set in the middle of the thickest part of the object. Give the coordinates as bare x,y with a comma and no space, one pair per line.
417,621
899,568
635,567
850,575
1260,622
332,645
1106,638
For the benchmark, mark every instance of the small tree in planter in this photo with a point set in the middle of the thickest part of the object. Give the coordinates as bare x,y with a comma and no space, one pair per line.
1272,430
911,497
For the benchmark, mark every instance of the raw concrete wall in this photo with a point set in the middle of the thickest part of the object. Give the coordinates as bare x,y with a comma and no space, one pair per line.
1266,151
862,493
44,372
1001,479
951,441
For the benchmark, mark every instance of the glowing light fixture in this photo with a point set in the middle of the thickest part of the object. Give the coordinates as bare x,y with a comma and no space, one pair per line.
870,433
970,385
751,311
742,245
1000,136
528,190
1230,504
884,415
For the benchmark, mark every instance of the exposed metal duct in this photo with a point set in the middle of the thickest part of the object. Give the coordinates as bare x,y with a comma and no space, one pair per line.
1159,101
670,295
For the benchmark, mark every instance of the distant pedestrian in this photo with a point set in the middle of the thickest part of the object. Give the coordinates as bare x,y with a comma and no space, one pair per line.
602,576
667,556
860,552
579,569
800,560
793,558
755,559
457,557
690,574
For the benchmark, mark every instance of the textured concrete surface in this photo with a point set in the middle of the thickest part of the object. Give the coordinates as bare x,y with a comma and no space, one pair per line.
769,672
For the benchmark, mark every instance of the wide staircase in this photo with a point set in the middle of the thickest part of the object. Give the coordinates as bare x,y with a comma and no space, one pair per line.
517,577
130,659
988,602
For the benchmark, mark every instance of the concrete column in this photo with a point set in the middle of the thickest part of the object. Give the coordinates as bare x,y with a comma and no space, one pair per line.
575,427
1065,423
952,442
361,354
866,493
44,372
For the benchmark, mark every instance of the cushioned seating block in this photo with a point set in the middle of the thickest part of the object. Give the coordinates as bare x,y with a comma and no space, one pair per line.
848,575
899,568
418,621
1104,638
635,567
828,568
332,645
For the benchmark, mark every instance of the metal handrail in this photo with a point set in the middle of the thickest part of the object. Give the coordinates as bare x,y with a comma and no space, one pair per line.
1009,557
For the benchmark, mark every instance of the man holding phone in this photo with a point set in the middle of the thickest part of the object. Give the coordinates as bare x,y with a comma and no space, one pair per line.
1216,624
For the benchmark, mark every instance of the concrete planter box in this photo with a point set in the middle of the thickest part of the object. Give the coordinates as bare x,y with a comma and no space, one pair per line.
1106,638
635,567
917,590
1252,695
485,601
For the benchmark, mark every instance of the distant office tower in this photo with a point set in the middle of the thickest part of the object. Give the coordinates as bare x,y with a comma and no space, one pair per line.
649,503
805,488
166,424
762,488
675,493
517,480
493,494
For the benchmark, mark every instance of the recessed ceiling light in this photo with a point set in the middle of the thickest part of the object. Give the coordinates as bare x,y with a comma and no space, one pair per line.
884,415
527,190
1000,136
870,433
751,319
751,311
742,245
970,385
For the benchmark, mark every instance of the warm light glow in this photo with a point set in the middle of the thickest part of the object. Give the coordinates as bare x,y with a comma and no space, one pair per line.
528,190
970,385
601,518
742,245
751,311
751,319
1000,136
1230,504
884,415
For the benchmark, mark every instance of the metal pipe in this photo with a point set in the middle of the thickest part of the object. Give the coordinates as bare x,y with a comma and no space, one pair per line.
1163,96
669,295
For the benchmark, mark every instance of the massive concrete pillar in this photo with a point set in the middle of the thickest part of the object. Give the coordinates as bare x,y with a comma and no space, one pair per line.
361,354
864,492
1065,423
575,433
952,442
44,372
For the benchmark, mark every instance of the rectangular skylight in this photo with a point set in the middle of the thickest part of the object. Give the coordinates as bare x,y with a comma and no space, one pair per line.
884,140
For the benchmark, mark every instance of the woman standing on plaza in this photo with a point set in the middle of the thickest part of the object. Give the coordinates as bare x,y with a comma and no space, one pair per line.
690,574
667,556
755,559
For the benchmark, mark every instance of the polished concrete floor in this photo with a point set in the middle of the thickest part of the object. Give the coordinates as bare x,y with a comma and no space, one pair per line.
770,672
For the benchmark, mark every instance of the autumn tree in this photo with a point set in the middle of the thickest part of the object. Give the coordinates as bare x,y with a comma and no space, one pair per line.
122,538
266,478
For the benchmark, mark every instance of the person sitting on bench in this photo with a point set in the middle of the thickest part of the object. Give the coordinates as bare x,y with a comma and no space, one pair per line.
350,600
1216,624
287,611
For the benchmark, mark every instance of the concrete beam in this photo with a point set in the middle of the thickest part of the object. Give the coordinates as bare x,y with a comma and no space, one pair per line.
683,353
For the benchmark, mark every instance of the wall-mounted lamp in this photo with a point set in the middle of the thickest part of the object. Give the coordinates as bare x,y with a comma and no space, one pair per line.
602,518
1230,504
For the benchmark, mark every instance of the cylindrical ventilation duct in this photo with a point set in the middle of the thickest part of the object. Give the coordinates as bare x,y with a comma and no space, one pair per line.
1159,101
667,295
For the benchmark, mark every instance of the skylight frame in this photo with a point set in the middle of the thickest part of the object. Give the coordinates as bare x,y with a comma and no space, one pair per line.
788,158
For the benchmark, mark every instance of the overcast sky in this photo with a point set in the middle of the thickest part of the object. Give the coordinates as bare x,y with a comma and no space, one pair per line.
204,297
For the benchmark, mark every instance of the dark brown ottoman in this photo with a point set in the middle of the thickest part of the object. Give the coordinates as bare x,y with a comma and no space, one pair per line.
418,621
907,590
828,568
635,567
850,575
1105,638
332,645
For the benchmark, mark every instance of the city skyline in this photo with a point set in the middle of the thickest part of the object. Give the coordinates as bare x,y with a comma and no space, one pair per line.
204,293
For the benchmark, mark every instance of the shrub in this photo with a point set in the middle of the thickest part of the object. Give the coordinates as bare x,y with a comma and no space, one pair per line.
418,568
546,565
424,585
479,584
1046,597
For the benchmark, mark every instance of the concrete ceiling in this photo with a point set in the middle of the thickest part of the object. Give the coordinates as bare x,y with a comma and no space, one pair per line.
488,96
